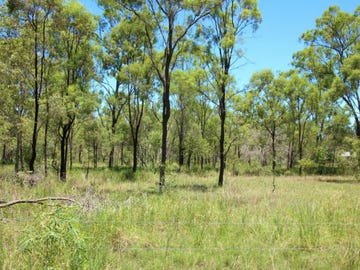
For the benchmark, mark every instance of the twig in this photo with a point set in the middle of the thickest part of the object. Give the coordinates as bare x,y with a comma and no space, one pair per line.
6,204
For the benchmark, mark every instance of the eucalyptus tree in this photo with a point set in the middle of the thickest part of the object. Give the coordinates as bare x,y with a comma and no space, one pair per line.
171,21
337,37
139,85
73,35
12,100
34,18
319,72
266,105
230,20
300,101
183,101
202,113
112,58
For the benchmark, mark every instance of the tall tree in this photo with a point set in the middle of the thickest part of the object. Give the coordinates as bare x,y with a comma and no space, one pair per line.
337,33
229,21
139,77
267,106
172,21
16,61
112,59
300,99
35,16
73,35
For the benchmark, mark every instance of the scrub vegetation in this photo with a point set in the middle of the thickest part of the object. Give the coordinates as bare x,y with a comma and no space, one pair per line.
309,222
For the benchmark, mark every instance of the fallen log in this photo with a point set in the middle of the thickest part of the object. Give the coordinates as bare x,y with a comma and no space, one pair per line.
7,204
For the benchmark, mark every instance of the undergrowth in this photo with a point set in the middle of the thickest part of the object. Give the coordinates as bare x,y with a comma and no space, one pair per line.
122,223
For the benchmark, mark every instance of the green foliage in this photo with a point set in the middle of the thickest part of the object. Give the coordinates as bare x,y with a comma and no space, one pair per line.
54,240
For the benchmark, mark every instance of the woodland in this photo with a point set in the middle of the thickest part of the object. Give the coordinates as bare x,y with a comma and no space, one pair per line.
127,143
151,85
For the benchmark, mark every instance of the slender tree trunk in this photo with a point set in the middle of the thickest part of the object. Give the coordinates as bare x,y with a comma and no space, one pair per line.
188,162
111,156
80,154
38,85
112,148
95,150
301,144
71,145
63,157
273,148
165,119
181,146
222,114
64,144
122,161
46,169
36,105
290,153
135,154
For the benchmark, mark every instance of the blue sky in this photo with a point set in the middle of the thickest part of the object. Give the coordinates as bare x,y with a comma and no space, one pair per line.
277,38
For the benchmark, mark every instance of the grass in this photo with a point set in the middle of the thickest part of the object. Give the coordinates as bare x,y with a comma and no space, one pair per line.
307,223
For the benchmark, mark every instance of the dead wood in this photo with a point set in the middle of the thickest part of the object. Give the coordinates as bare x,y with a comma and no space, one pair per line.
7,204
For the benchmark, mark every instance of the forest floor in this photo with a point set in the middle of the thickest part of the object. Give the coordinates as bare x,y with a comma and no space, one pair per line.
310,222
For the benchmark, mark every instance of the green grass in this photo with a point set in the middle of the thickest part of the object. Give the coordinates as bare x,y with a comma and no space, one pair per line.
125,224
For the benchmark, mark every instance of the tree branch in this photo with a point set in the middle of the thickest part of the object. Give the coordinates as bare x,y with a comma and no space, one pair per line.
7,204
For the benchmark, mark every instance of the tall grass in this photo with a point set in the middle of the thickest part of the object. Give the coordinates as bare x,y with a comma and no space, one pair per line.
124,223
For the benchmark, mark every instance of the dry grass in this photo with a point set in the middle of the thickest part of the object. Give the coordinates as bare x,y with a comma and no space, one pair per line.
307,223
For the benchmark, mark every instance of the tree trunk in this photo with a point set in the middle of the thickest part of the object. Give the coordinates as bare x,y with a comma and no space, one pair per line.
111,156
290,154
95,157
34,134
273,148
80,154
181,147
122,160
71,145
46,169
135,154
63,157
357,127
188,162
222,113
112,148
64,143
165,119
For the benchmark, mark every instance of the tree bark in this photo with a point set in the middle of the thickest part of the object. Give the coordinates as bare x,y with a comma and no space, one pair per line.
36,104
165,119
222,114
135,155
64,143
46,139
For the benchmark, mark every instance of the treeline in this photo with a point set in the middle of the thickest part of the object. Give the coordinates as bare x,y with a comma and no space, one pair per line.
151,84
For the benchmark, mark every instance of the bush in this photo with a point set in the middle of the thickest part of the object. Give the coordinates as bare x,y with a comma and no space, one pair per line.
53,240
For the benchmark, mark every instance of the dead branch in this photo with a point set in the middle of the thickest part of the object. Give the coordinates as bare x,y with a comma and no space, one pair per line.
6,204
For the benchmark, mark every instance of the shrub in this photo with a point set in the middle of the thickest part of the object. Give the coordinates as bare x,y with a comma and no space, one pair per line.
53,240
